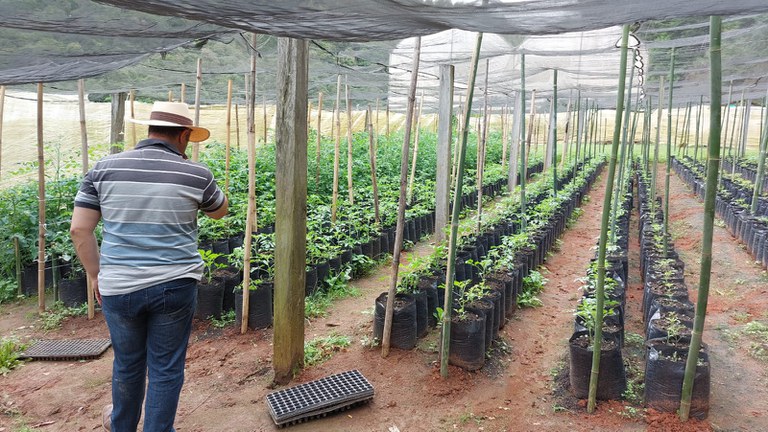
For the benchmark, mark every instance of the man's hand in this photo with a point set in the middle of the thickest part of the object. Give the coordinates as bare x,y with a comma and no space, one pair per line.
84,221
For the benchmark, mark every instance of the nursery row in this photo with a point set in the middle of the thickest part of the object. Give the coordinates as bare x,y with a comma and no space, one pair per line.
747,169
611,377
667,313
732,205
494,271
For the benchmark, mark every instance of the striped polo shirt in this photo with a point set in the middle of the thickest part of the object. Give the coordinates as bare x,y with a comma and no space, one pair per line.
148,198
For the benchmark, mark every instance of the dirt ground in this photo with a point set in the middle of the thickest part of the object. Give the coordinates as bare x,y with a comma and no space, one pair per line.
229,375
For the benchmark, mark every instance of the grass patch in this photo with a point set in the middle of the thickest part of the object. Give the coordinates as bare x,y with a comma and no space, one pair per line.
53,317
757,332
10,349
321,349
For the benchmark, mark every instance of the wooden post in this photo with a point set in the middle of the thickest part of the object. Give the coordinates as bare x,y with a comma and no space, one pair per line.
250,218
40,204
83,131
372,157
376,128
170,95
264,118
567,137
198,85
228,138
337,150
319,138
444,139
183,94
387,117
481,140
385,340
237,126
291,206
350,190
517,119
116,135
504,136
133,116
409,194
745,128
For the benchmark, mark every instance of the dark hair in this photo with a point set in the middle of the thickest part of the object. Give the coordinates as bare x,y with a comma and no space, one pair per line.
169,131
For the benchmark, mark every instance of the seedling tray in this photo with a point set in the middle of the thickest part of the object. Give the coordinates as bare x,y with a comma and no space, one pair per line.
319,398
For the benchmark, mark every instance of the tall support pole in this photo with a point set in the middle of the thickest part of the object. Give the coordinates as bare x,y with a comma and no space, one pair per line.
504,136
387,118
444,139
319,138
709,216
518,116
2,108
264,128
450,269
411,178
385,340
669,153
117,131
481,141
523,164
618,191
698,127
553,132
568,133
198,86
132,97
336,150
350,189
658,143
250,219
600,288
40,204
744,128
83,129
291,206
372,156
578,126
228,145
758,188
183,93
724,124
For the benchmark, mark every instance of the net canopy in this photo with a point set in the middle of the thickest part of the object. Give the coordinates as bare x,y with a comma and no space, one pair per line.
153,46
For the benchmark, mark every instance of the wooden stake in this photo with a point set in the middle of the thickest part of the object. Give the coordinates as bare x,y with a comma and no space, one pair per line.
170,95
228,145
350,189
504,136
385,341
132,97
250,219
264,108
183,94
482,136
198,85
387,118
83,130
337,150
237,126
444,139
567,137
2,107
17,255
40,204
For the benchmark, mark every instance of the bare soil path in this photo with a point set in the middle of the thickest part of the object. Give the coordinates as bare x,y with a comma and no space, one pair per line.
228,374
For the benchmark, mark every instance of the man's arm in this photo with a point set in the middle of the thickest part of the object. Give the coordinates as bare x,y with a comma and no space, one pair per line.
221,211
81,230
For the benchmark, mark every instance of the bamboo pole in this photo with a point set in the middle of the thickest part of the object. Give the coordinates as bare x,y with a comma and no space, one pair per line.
504,136
40,203
709,216
228,146
669,153
350,189
250,215
198,85
758,188
183,93
387,118
744,134
409,194
523,167
512,169
724,125
170,95
568,133
580,117
600,288
17,255
376,128
623,148
83,130
237,126
658,143
385,341
698,128
553,128
337,150
372,157
319,138
481,140
445,336
2,107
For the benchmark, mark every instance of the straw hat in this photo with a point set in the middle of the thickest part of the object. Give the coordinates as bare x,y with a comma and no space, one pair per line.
174,114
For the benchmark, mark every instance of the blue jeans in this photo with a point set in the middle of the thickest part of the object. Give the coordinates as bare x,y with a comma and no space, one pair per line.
150,330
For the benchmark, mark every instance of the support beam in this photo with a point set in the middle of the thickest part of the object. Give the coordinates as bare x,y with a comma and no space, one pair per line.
444,138
291,206
117,131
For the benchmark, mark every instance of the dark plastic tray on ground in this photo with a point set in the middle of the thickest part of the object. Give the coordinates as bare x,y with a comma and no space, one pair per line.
319,398
66,349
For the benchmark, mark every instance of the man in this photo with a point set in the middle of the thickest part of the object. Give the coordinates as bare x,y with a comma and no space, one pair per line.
145,277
